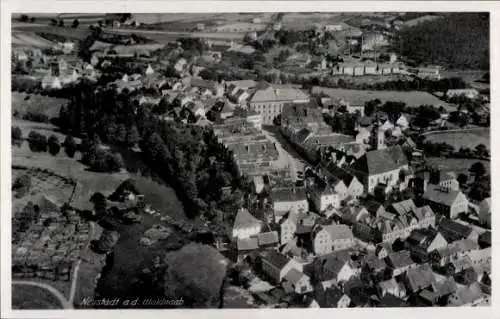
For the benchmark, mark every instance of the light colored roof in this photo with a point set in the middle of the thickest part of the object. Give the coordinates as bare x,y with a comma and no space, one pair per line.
404,207
267,238
388,284
468,294
288,194
245,219
380,161
438,195
421,276
338,231
247,244
272,94
294,276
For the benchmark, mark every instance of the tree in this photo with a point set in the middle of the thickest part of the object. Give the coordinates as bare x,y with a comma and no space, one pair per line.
22,181
69,146
481,150
196,274
371,106
61,22
16,135
75,24
114,162
133,136
53,22
462,179
107,241
37,142
23,18
100,203
32,20
53,144
477,169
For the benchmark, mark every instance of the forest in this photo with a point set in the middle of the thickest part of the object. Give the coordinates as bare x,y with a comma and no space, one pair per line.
187,157
457,41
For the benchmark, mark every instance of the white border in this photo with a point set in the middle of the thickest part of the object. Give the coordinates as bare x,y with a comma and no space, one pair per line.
10,6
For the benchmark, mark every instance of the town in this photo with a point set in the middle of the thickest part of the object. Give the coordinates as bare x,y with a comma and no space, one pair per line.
251,160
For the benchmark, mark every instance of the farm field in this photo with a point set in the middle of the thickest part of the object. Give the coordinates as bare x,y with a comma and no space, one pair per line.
69,33
461,138
457,165
30,39
169,36
33,298
36,103
359,97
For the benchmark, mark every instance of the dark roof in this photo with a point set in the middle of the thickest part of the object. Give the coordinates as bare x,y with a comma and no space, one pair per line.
342,174
400,259
268,238
390,300
485,239
422,237
380,161
276,259
332,297
288,194
420,277
453,231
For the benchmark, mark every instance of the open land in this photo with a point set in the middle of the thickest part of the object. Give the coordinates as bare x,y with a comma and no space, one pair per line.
359,97
461,138
33,298
37,103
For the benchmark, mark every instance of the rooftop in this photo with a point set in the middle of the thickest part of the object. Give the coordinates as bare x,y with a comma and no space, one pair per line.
380,161
245,219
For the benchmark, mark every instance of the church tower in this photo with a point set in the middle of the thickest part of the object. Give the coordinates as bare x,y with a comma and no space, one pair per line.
377,136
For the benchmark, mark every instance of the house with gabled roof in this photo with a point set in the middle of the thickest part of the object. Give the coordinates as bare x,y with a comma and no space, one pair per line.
419,278
328,238
331,269
245,225
288,226
423,241
399,262
485,212
381,166
276,265
297,282
468,296
391,287
445,201
286,199
332,297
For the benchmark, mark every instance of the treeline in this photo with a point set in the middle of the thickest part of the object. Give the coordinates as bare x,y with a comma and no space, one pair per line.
189,158
459,40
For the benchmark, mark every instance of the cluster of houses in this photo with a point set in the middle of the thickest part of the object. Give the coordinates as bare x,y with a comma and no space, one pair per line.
52,72
51,245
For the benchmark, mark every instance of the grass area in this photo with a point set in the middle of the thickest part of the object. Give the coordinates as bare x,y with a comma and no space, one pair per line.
463,138
457,165
67,32
359,97
36,103
30,39
33,298
42,128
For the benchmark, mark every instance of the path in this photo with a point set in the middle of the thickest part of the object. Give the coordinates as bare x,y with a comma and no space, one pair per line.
74,281
64,302
295,161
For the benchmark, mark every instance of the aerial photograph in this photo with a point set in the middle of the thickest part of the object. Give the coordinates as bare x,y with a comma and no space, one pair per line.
250,160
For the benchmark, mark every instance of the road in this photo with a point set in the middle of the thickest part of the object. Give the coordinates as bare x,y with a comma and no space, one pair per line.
64,302
286,152
74,281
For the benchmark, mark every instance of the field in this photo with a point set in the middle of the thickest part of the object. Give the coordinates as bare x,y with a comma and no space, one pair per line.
37,103
42,128
170,36
462,138
33,298
457,165
359,97
21,30
30,39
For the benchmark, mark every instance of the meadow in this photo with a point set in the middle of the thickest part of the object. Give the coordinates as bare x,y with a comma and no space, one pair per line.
461,138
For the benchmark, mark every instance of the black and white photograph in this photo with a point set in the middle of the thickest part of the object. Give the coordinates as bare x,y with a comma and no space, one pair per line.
249,160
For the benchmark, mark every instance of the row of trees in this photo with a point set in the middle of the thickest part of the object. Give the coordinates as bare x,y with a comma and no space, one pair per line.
39,142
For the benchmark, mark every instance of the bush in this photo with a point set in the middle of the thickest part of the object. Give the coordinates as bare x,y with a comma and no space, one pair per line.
37,142
16,134
53,144
22,185
69,146
36,117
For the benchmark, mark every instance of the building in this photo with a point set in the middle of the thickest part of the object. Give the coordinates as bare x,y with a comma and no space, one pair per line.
297,282
268,100
333,297
286,199
288,226
432,73
419,278
381,166
485,212
399,262
332,238
391,287
423,241
354,187
331,269
324,198
245,225
446,202
468,297
468,93
276,266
